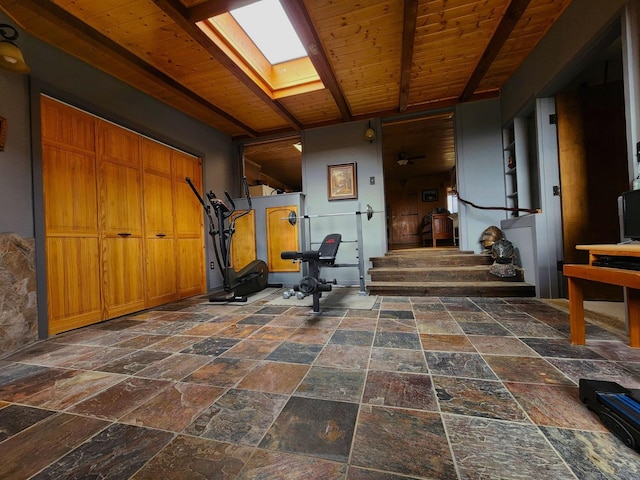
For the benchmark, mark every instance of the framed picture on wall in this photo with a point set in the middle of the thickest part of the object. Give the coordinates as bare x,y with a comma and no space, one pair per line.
430,195
342,181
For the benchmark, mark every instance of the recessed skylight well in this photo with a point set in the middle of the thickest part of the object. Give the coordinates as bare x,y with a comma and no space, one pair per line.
266,23
261,41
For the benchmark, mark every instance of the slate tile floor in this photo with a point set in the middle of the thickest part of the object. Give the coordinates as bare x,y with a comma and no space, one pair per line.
422,388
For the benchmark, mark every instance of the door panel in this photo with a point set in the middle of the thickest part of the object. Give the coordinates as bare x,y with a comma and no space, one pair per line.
593,172
281,236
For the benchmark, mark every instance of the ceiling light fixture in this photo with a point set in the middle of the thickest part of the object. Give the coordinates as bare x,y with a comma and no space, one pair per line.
10,55
298,146
403,161
370,133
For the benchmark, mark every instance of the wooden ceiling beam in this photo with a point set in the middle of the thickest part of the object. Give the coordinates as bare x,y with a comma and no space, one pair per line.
178,13
212,8
505,27
87,34
408,41
299,17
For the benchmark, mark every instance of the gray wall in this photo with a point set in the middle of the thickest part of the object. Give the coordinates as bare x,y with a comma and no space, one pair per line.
562,52
480,169
337,145
16,196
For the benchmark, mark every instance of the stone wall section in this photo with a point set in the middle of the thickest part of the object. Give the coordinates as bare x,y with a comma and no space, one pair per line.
18,310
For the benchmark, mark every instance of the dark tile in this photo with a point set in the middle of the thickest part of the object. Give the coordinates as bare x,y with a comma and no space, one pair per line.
239,416
459,364
15,418
397,314
133,362
356,473
551,347
478,398
32,449
397,389
397,340
256,319
196,458
407,442
360,338
319,428
116,452
332,384
295,353
596,369
272,310
597,455
528,327
212,346
486,448
484,328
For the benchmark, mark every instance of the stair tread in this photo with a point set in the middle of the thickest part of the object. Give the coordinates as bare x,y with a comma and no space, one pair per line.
494,283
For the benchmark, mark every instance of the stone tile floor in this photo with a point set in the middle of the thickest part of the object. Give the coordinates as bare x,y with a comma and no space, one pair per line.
417,387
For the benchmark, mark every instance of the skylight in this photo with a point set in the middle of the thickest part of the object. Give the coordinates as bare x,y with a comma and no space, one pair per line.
266,23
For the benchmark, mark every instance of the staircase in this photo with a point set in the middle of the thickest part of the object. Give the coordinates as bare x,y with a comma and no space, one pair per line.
442,272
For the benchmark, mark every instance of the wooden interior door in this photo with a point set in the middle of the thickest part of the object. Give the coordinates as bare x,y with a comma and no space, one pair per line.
593,172
403,228
281,236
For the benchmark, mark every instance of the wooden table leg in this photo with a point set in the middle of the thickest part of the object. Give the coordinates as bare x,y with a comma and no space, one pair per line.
576,312
633,314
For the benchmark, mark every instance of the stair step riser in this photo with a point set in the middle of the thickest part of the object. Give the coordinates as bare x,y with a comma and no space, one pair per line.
456,291
442,276
426,262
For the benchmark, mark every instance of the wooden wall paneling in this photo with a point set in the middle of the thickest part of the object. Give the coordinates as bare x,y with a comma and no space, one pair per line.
243,243
160,269
71,217
281,236
189,225
120,188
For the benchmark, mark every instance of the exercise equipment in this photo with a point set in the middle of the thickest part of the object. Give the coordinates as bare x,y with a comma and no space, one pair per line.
617,407
312,284
250,279
293,218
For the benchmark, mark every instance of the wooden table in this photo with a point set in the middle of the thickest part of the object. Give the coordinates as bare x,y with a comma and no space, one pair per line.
576,274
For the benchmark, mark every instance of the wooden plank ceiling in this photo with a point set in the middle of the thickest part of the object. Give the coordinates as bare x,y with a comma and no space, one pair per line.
376,58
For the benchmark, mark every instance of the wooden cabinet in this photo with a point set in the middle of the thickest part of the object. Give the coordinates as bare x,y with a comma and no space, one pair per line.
189,225
72,242
161,276
123,231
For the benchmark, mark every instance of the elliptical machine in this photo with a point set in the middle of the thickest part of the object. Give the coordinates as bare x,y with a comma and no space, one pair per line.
250,279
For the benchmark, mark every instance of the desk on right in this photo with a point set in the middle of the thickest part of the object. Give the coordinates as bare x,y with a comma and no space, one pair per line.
577,274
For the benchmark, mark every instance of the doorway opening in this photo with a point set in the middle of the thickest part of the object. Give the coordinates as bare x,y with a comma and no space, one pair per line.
419,177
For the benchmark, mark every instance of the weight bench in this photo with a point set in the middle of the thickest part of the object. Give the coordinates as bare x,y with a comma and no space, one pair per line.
324,256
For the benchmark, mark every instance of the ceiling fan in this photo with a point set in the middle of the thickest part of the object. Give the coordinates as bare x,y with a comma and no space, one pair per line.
404,159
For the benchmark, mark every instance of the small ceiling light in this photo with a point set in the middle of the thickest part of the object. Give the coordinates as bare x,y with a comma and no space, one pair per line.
10,55
403,161
298,146
370,133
